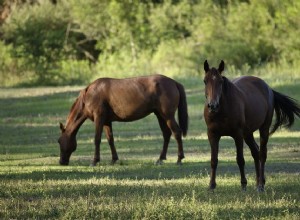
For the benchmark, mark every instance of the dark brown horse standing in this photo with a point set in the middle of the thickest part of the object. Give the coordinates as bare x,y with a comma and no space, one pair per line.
239,108
107,100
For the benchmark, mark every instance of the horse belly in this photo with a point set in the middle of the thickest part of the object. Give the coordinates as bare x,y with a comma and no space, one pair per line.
256,113
130,111
131,116
255,118
258,101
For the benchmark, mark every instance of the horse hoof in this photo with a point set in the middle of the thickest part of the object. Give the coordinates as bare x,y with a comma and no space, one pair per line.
179,163
159,162
212,186
113,162
260,189
244,187
92,165
212,190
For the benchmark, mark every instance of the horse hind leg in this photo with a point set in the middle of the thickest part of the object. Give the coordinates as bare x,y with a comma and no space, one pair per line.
172,124
264,138
166,135
250,141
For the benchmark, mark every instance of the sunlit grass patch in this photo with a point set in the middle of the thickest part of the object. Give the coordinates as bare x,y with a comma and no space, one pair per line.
146,198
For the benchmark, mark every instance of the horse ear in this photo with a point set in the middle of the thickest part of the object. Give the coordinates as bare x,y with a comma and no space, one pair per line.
221,66
206,66
62,127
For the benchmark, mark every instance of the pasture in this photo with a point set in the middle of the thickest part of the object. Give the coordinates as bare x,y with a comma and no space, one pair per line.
34,186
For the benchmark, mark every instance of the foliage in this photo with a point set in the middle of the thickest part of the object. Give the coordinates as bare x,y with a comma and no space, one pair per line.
124,38
37,33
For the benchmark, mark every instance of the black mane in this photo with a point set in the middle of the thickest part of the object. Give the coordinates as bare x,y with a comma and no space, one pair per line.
227,84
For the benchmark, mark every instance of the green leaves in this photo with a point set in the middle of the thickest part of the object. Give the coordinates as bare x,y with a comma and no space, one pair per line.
123,38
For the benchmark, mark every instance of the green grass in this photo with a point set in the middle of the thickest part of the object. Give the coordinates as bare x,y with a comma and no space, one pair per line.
34,186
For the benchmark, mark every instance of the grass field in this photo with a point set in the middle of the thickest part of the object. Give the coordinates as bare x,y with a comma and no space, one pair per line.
34,186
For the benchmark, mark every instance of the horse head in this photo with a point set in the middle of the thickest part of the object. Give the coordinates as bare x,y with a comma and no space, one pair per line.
213,81
67,144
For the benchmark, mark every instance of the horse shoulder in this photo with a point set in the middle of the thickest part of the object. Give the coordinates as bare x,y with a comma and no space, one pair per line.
96,96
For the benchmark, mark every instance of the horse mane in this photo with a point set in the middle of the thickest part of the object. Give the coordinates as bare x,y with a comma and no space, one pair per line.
77,107
227,85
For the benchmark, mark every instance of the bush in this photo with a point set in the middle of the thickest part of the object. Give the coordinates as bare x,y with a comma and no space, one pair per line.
39,35
75,72
8,65
128,38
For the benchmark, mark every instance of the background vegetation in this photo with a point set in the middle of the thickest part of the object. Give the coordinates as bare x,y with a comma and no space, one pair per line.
49,42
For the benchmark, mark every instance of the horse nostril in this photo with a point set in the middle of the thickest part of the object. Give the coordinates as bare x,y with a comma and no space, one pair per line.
213,106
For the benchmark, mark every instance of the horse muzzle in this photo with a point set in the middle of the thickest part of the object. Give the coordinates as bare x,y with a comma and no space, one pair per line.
213,107
64,162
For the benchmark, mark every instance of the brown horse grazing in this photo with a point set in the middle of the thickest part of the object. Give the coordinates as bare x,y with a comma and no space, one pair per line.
107,100
239,108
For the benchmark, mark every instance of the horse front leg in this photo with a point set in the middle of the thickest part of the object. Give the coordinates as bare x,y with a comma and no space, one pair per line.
239,143
98,134
110,139
214,147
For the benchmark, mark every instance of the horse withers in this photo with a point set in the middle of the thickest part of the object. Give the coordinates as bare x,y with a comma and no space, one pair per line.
107,100
238,108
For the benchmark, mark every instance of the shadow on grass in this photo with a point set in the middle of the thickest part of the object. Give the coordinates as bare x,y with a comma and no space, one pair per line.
34,106
143,171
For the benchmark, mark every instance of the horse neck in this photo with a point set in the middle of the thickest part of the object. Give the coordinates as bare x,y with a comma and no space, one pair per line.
76,116
72,127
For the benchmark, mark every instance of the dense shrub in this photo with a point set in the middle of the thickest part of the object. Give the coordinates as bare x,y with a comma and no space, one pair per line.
92,38
37,34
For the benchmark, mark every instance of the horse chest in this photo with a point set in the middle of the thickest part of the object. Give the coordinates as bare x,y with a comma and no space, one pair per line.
222,125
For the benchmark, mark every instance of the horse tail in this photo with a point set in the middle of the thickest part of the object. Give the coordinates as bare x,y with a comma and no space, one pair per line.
183,117
285,108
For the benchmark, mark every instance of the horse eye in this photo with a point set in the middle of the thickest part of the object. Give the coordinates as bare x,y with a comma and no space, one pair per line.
204,82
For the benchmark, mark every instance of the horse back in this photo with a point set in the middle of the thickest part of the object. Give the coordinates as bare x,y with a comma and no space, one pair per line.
253,89
132,98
